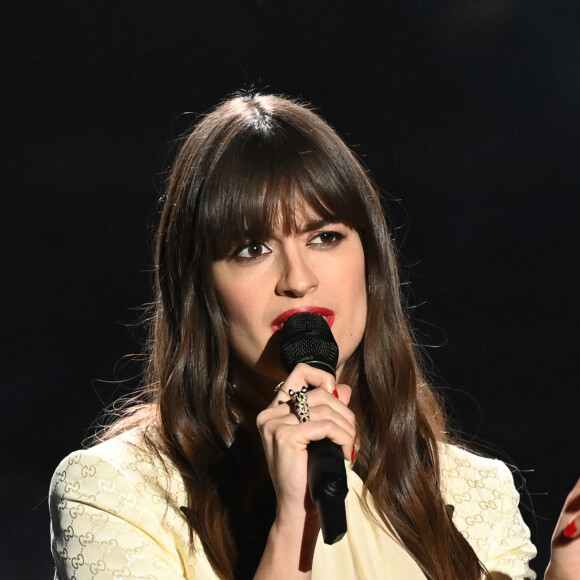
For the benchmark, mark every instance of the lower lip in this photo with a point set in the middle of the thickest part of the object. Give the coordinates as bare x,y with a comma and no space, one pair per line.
328,315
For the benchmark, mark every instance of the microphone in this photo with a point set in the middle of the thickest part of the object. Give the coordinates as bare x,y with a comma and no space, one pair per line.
307,338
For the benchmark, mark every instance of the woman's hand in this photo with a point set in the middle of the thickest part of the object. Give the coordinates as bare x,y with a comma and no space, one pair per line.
285,440
565,560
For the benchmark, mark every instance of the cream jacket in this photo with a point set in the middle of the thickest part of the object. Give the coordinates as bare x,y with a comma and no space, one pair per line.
115,516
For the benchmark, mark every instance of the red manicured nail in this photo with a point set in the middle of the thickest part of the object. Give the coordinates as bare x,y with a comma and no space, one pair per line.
353,454
570,529
335,393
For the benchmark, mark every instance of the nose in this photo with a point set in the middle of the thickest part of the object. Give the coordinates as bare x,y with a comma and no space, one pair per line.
297,277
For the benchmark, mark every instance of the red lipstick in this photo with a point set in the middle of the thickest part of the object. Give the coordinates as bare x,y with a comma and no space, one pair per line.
279,321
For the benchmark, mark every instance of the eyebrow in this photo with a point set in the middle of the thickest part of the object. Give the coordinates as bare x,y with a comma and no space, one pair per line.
309,226
316,224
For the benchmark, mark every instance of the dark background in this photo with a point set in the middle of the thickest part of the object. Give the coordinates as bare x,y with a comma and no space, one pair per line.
467,113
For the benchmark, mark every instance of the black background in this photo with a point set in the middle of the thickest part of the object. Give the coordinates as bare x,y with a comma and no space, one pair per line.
467,113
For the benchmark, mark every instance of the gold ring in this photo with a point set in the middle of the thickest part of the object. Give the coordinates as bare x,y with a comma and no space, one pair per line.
280,387
301,409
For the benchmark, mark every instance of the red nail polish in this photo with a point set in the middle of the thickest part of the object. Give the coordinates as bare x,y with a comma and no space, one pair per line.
570,529
353,454
335,393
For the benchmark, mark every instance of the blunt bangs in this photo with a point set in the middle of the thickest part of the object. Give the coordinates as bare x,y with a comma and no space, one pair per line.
267,179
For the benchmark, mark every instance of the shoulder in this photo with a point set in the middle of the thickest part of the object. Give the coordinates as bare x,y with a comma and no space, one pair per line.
485,509
115,508
118,473
475,485
459,466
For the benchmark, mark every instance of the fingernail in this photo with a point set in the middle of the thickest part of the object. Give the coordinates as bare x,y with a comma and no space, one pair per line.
353,454
335,393
571,529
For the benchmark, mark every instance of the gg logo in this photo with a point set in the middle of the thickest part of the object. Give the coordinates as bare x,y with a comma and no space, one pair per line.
473,483
60,476
449,473
96,567
462,497
77,561
99,519
75,512
86,539
473,520
88,471
106,485
109,546
68,533
487,505
74,486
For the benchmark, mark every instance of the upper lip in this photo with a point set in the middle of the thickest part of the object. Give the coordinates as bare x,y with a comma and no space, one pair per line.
279,321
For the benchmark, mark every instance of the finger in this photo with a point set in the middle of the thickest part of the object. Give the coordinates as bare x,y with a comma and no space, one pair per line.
326,429
572,530
278,409
284,395
330,419
319,397
568,524
343,418
283,403
281,394
284,407
573,500
327,413
336,418
297,436
304,374
343,393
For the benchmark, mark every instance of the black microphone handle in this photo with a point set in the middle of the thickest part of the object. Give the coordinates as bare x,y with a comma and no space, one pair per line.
327,483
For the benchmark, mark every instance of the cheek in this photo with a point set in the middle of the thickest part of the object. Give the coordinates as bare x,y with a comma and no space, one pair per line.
357,274
237,317
360,300
231,301
359,315
355,298
242,315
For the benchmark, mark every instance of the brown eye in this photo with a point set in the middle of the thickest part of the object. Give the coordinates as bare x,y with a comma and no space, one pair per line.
251,251
327,238
254,250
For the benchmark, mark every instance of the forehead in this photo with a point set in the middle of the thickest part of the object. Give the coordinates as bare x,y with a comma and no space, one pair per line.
296,213
301,217
258,207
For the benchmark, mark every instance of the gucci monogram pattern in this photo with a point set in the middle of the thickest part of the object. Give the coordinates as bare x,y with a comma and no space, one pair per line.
486,510
115,515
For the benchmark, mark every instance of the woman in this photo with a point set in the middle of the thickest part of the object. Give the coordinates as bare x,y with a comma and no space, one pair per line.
268,213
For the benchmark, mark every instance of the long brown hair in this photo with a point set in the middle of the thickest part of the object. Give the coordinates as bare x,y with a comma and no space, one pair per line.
251,158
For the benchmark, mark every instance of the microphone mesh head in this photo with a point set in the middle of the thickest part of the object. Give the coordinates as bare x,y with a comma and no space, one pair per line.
305,338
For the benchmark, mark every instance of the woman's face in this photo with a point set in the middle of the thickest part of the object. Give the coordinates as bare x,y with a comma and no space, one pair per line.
319,268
